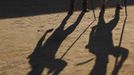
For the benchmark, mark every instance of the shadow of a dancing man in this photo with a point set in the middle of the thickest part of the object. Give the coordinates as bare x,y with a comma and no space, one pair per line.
101,45
44,53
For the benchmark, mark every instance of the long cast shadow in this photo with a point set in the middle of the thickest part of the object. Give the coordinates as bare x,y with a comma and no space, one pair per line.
21,8
44,54
101,45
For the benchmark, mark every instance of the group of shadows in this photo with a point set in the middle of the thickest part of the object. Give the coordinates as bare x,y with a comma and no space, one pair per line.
100,44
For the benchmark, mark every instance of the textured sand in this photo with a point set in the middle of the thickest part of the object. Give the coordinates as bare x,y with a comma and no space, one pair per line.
19,36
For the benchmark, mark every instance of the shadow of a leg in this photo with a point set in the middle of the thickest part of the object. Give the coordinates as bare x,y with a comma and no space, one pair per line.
123,54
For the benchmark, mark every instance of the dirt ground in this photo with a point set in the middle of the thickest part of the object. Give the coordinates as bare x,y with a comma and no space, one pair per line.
19,37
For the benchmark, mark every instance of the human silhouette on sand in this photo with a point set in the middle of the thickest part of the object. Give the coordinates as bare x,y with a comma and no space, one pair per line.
44,53
101,45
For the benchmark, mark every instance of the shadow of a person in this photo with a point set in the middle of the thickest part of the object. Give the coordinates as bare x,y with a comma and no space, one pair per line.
44,53
101,44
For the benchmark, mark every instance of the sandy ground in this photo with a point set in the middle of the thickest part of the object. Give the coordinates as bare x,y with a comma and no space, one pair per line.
19,36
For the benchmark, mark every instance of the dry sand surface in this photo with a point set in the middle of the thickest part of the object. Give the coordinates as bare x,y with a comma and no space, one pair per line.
19,37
